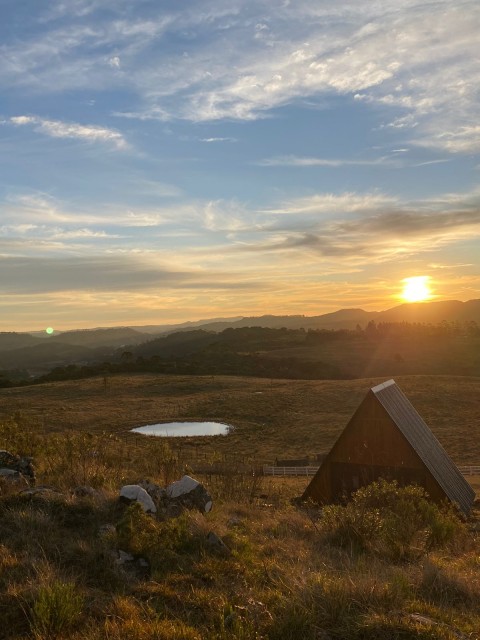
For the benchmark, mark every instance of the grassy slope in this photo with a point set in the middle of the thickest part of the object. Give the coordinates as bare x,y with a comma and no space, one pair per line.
283,581
278,418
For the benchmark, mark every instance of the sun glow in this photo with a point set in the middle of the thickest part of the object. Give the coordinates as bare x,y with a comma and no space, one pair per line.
416,289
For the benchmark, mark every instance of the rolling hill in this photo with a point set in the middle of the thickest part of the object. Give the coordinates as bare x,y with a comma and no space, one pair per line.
225,345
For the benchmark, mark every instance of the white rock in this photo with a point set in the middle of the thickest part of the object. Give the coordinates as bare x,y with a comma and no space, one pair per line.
123,556
182,486
9,472
137,493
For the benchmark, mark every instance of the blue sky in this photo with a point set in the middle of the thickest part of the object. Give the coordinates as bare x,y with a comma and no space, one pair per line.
167,161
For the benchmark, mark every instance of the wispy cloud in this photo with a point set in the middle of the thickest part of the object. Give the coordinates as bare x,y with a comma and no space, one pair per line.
330,203
380,52
296,161
44,209
104,273
218,140
59,129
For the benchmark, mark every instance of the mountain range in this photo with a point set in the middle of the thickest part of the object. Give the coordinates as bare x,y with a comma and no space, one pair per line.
38,352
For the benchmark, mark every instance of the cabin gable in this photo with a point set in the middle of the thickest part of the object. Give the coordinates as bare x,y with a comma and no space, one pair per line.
385,438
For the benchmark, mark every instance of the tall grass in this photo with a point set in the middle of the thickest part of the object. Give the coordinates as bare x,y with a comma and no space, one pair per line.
357,572
57,608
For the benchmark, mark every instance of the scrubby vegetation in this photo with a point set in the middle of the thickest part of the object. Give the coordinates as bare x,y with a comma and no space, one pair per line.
399,523
271,418
384,348
389,565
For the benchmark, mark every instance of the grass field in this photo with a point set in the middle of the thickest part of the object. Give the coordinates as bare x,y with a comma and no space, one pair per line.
271,418
288,574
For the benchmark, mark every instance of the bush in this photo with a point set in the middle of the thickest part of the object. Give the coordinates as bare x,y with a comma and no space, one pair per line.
399,523
57,607
164,544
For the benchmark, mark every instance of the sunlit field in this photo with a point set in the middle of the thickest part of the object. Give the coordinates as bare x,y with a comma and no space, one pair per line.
288,572
270,418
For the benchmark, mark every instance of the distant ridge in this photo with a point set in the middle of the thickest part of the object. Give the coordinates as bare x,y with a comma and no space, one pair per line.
256,344
423,312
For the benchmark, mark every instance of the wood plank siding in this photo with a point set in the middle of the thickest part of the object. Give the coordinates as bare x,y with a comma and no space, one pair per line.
386,438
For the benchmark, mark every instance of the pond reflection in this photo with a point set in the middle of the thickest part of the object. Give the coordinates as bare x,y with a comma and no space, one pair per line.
178,429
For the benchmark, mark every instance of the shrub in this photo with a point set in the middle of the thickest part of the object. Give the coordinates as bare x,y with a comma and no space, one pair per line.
163,544
399,523
56,609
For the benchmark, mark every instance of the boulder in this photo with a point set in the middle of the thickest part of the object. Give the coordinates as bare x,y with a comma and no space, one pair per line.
155,491
11,480
190,493
172,510
217,545
9,473
84,491
122,557
130,565
16,463
43,491
136,493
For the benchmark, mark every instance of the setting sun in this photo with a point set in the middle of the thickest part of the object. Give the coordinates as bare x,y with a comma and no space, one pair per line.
416,289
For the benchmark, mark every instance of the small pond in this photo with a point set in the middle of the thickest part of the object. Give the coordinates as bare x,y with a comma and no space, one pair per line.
177,429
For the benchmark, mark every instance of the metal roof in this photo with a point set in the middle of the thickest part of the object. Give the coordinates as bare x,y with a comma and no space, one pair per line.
429,449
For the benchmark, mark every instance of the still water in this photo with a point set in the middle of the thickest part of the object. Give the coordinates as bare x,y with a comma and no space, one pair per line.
176,429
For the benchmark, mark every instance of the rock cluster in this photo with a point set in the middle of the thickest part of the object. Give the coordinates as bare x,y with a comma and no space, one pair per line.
135,493
166,503
186,493
12,466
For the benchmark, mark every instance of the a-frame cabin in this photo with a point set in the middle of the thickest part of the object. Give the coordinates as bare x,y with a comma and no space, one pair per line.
386,438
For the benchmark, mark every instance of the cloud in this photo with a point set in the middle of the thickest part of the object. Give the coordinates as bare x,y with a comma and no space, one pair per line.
43,209
59,129
241,60
218,140
296,161
464,139
103,273
95,273
81,234
337,233
330,203
220,216
37,231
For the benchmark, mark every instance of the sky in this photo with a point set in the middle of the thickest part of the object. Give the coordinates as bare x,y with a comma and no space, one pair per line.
171,160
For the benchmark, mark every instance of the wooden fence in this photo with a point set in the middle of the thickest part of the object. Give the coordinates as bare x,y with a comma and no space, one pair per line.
468,470
289,471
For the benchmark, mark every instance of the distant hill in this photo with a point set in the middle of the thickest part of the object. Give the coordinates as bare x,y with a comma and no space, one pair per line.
39,355
426,312
433,312
47,355
206,344
185,326
423,312
110,337
11,340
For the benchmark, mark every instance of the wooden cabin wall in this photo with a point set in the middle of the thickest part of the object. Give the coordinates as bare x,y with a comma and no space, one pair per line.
372,438
371,446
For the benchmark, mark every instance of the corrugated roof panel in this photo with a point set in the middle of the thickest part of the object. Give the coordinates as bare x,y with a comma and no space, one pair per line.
425,444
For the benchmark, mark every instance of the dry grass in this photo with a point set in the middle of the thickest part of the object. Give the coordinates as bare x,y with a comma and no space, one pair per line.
277,418
284,580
